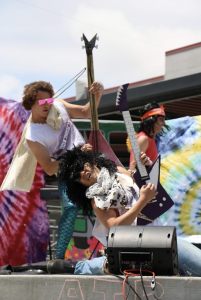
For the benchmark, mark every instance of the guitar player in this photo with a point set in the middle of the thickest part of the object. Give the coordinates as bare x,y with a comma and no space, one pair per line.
152,123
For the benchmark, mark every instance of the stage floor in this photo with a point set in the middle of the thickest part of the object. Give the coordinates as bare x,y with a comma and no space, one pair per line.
82,287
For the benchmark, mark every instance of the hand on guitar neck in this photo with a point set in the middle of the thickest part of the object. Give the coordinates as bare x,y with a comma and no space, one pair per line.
87,147
149,191
96,89
145,161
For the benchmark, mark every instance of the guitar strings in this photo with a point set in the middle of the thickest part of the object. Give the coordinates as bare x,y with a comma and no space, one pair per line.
76,77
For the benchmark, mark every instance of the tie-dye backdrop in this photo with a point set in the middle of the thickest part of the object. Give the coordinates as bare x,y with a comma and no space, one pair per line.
180,151
24,223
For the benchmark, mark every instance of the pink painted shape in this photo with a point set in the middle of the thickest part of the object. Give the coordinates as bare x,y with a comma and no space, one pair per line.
115,294
117,281
67,280
148,280
69,291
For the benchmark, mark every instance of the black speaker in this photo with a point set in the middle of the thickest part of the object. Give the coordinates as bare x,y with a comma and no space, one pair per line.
153,248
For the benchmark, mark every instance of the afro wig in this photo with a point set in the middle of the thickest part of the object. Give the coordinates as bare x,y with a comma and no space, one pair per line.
70,166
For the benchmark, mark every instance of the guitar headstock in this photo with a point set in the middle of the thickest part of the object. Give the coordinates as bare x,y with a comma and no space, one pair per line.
121,100
89,45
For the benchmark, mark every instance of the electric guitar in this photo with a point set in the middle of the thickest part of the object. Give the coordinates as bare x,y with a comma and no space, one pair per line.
162,202
96,138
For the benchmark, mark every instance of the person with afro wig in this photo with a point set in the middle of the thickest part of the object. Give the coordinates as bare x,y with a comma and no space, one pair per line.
96,183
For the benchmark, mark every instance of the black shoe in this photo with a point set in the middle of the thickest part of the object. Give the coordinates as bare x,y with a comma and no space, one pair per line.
27,267
60,266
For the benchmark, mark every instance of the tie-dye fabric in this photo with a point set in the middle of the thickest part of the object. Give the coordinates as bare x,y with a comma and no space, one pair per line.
24,223
180,151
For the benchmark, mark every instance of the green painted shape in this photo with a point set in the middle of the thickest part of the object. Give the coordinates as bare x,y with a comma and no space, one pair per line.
80,225
80,212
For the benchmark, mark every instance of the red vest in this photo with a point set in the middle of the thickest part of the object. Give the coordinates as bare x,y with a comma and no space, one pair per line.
151,152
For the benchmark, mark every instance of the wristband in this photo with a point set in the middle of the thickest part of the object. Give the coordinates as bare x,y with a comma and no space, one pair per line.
132,172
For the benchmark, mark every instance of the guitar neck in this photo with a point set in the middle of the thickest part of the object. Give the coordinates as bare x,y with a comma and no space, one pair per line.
134,144
92,100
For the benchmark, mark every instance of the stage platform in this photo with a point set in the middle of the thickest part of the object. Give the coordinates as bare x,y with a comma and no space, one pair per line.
72,287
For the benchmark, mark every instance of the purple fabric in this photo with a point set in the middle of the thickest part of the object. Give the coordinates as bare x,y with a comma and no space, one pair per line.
24,223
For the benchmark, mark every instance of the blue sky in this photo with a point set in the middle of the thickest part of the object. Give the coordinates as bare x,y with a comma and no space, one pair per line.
40,40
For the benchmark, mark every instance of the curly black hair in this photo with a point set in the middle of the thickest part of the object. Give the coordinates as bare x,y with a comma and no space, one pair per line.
147,125
71,163
31,90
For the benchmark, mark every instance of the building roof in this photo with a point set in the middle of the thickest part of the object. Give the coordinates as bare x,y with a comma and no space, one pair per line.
181,96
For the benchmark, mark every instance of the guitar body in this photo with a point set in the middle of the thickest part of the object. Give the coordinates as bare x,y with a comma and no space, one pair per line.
96,138
162,202
103,146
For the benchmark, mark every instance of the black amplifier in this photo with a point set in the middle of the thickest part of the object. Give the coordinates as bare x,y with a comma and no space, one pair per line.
153,248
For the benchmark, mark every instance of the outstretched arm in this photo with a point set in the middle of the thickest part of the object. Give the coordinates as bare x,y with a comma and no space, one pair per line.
83,112
111,216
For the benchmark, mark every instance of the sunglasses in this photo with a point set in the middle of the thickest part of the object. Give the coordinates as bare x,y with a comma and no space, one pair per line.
43,101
